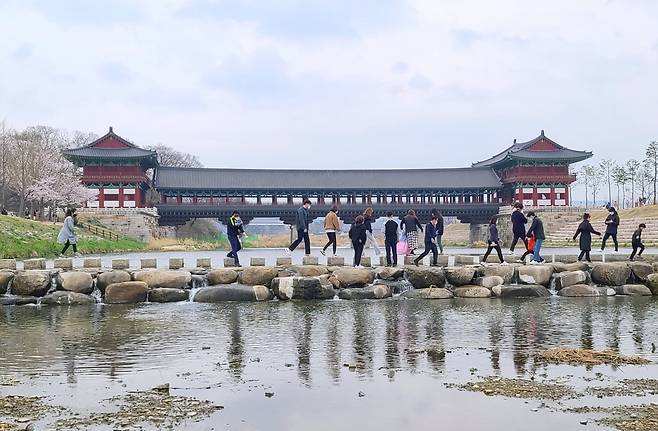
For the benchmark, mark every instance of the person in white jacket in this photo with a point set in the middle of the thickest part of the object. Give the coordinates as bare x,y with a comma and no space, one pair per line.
67,234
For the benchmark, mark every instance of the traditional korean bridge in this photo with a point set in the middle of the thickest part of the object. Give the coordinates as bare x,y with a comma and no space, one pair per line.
180,214
535,172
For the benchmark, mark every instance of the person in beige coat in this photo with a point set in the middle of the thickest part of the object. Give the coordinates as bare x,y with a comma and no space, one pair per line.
331,227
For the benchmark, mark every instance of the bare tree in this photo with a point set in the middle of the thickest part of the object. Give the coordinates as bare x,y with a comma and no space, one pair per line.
607,166
168,156
80,139
632,167
6,156
652,159
644,178
620,177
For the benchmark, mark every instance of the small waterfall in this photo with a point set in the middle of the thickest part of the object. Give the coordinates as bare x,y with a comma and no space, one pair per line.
198,283
38,303
11,282
551,286
97,294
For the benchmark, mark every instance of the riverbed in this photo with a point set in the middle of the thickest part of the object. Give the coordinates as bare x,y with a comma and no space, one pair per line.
351,365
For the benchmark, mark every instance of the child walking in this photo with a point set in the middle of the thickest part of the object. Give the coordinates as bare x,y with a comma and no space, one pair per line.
358,236
636,241
530,248
585,230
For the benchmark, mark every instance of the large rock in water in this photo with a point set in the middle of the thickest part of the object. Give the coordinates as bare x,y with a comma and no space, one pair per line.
233,292
489,281
67,298
424,277
460,275
18,300
504,271
75,281
354,277
104,279
472,292
5,279
31,283
569,278
128,292
429,293
308,270
611,274
377,291
258,275
174,279
633,290
563,267
521,291
286,288
584,290
652,283
535,274
222,276
640,270
397,286
389,273
167,294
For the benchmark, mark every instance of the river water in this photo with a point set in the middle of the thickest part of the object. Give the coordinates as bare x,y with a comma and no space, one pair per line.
350,365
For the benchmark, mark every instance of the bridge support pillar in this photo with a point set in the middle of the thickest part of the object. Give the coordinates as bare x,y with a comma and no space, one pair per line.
478,232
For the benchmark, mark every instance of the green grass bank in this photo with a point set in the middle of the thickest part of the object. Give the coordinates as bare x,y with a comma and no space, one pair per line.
20,238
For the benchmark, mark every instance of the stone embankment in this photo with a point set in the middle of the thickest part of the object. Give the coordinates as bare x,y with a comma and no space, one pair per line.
120,284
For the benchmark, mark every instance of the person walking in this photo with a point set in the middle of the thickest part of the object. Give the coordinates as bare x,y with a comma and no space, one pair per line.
536,229
430,243
439,228
530,249
391,230
358,236
518,227
331,228
302,221
67,235
585,230
234,230
636,241
611,225
493,242
368,220
411,225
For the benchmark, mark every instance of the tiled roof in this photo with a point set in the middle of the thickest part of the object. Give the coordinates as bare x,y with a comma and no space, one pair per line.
227,179
519,150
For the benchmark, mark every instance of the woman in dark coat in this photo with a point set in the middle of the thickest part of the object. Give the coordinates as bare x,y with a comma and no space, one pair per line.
518,226
493,242
611,225
585,230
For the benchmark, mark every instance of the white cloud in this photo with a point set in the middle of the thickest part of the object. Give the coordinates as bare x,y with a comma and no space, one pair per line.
426,83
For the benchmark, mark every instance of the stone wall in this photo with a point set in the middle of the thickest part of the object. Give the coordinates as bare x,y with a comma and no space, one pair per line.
138,223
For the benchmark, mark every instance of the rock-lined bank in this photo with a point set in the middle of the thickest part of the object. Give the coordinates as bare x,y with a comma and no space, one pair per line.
320,282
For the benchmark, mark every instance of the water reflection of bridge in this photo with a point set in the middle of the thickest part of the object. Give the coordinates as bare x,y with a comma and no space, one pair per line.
176,214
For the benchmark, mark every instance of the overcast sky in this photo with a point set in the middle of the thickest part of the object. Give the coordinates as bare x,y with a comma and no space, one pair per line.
336,83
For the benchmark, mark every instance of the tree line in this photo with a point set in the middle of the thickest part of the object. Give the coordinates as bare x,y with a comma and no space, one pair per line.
36,179
625,184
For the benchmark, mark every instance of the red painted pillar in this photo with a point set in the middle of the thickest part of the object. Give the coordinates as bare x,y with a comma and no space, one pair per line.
567,198
274,201
535,196
194,199
179,199
552,196
163,199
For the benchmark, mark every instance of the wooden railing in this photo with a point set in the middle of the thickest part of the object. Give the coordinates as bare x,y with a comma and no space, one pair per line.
100,231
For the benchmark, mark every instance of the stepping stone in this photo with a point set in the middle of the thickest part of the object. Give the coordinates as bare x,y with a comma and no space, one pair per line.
148,263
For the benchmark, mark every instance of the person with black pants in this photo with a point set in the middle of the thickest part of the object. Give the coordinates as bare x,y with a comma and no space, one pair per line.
234,230
585,230
636,241
430,243
518,227
391,232
331,227
302,221
358,236
611,223
493,242
439,228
